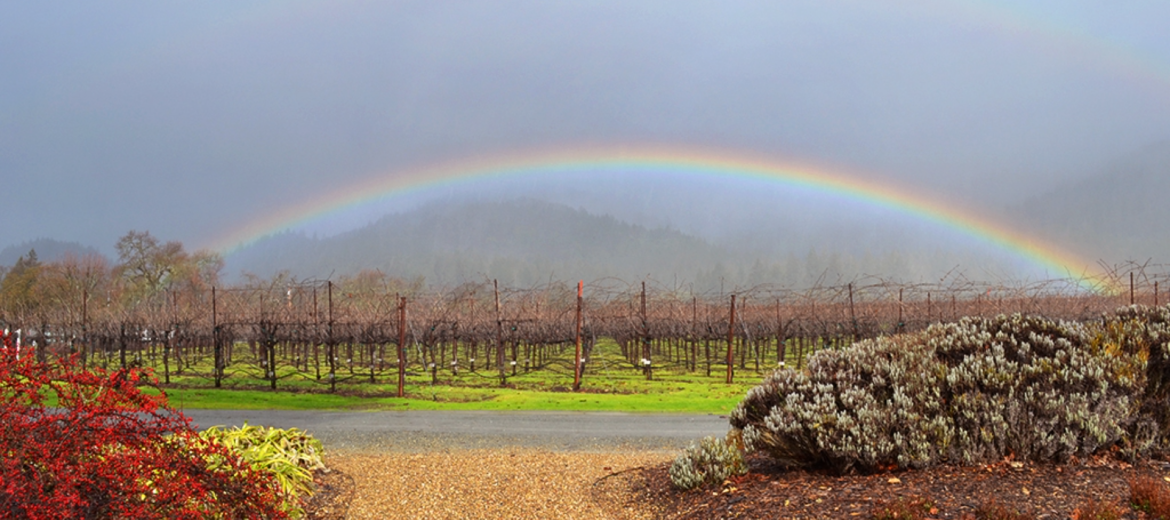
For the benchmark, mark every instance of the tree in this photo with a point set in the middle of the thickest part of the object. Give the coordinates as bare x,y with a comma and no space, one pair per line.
146,265
68,282
198,272
18,290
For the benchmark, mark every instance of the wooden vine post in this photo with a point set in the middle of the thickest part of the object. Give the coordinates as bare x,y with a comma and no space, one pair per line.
216,344
743,341
316,337
401,346
731,343
694,336
852,314
646,361
1131,299
174,297
499,336
330,348
268,345
901,324
780,337
578,361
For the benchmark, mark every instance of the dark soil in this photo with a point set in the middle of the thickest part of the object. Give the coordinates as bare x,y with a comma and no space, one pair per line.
1040,491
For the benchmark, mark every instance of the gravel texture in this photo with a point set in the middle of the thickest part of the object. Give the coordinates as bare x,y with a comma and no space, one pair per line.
448,475
505,482
483,464
420,442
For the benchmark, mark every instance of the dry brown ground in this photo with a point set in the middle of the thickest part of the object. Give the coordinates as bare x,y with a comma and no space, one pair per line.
488,484
1039,491
536,483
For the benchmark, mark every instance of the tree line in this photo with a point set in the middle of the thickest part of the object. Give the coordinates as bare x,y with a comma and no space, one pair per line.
32,290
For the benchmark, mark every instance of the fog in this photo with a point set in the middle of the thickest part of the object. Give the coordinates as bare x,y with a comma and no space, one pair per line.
192,119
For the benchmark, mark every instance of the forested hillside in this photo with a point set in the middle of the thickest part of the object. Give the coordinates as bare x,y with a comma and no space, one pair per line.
1113,214
527,242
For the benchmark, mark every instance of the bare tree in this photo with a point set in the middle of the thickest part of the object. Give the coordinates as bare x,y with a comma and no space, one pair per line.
146,265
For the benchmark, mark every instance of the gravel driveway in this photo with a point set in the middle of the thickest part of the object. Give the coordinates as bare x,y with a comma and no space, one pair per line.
486,465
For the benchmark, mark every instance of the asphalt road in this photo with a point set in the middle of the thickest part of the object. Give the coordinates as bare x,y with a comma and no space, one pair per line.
418,431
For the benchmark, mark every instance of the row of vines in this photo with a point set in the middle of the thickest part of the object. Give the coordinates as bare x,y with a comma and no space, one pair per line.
315,331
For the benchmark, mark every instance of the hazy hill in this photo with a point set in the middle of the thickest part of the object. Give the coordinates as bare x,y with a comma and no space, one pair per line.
520,242
48,250
1114,214
526,242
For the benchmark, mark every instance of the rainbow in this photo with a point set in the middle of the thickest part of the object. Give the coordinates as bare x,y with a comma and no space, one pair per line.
1048,257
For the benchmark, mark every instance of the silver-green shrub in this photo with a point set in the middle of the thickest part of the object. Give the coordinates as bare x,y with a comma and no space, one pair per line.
874,404
1032,387
975,390
711,461
1144,333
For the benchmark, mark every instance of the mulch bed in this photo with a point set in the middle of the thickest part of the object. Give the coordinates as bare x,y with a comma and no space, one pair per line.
1042,491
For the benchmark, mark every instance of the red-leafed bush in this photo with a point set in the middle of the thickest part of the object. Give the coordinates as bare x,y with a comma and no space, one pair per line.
89,444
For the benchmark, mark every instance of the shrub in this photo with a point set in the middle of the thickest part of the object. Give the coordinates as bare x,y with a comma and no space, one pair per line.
1150,495
287,455
871,405
1095,509
710,462
1031,387
975,390
1143,333
90,444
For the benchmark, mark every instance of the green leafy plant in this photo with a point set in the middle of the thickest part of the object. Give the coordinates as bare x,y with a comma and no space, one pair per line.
289,455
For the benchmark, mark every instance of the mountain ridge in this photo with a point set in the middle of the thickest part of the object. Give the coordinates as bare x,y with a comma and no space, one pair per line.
526,242
1097,215
48,250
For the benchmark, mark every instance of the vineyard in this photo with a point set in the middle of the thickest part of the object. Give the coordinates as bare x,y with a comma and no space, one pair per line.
321,335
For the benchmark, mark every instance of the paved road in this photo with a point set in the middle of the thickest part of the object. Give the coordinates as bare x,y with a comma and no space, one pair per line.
434,430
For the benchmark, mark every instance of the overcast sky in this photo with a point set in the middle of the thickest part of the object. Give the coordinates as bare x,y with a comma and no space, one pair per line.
189,118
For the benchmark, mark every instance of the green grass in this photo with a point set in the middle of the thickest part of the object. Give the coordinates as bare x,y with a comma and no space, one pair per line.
610,384
256,399
670,398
